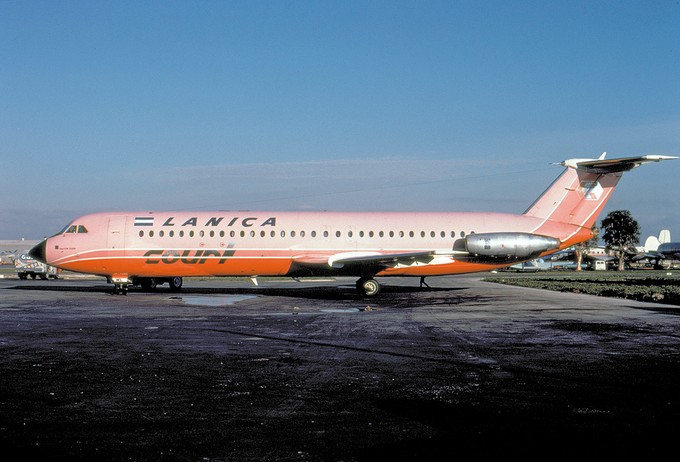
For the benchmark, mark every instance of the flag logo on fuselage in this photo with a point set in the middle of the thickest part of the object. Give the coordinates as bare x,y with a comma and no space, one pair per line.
143,221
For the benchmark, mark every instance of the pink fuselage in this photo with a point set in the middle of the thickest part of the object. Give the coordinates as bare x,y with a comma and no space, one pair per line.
165,244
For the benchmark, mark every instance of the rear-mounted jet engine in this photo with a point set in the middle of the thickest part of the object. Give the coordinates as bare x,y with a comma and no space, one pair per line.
509,245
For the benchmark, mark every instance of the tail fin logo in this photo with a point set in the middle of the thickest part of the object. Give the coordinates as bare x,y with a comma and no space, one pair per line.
592,190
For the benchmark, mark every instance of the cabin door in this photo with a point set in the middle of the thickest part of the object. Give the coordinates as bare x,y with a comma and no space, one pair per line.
116,239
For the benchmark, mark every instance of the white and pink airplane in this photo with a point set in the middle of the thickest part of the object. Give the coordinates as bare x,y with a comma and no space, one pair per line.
150,248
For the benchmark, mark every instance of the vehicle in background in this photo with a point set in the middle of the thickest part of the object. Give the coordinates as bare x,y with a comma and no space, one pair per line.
26,266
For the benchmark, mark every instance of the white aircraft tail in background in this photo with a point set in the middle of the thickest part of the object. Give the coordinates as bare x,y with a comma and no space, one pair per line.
652,242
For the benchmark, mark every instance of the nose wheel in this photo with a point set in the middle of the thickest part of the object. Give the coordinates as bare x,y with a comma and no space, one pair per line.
120,289
368,287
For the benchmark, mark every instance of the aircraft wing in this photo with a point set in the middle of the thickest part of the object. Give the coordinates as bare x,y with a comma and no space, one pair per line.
648,255
371,261
601,257
382,259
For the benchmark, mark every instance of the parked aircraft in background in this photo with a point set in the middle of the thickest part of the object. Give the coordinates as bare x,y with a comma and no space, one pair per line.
669,250
10,250
532,266
659,252
652,243
149,248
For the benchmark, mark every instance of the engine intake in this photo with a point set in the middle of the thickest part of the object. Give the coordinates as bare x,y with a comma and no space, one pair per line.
509,245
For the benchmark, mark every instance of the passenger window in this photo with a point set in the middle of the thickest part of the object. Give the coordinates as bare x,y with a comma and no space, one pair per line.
161,233
171,233
141,234
313,233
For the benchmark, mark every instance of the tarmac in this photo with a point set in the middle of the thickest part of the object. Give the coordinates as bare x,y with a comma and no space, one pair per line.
226,371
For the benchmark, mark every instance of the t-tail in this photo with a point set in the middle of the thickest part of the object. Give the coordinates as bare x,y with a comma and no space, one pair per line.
580,193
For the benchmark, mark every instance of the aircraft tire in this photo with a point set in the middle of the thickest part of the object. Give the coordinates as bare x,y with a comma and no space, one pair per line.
371,287
148,283
175,283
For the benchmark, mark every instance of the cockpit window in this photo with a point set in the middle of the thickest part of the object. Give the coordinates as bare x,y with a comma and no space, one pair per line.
73,229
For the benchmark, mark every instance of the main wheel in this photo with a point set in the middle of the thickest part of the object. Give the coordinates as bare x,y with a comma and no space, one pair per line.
148,283
371,287
175,283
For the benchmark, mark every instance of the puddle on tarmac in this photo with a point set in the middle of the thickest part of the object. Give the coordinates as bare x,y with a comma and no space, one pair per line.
340,310
214,300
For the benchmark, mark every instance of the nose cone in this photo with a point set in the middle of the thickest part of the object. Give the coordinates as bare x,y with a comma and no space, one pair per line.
38,252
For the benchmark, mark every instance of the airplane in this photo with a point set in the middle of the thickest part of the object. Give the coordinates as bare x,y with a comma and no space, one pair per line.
532,266
652,242
8,256
648,252
669,250
147,248
666,249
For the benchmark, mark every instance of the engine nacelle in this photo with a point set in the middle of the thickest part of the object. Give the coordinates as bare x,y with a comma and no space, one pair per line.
509,245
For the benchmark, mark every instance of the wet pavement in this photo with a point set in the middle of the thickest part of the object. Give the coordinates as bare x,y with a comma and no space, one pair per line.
310,371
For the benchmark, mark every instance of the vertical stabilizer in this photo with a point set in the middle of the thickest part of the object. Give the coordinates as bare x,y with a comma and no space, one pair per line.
580,193
577,197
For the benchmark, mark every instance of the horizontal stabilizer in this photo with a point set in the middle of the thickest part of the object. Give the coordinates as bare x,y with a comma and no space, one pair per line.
603,165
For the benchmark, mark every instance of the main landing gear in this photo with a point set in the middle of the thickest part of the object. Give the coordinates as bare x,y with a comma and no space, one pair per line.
368,286
120,286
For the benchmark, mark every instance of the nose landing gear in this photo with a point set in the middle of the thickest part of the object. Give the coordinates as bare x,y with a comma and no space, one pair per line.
120,289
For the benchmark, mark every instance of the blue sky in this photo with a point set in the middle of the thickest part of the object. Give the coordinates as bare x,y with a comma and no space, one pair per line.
324,105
